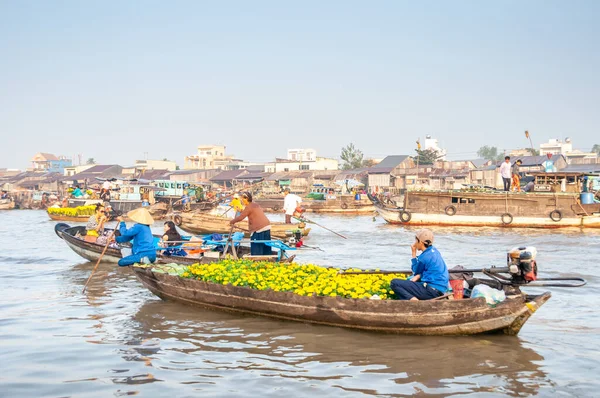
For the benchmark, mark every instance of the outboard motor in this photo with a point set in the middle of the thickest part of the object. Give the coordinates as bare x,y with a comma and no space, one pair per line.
522,265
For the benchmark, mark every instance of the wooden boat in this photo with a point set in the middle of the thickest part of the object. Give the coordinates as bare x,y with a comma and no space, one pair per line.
91,251
203,223
492,209
158,211
433,317
343,204
7,204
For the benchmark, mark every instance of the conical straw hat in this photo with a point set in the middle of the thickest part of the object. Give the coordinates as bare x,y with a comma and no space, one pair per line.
141,216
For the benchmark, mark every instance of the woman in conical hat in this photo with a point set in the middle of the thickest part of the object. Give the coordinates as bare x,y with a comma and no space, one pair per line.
143,250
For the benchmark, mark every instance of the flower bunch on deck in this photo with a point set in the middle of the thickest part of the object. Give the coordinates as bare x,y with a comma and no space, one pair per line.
72,211
302,279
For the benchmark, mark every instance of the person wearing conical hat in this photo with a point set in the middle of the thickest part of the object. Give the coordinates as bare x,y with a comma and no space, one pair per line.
143,250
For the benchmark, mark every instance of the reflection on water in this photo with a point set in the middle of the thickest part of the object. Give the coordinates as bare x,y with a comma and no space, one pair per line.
118,339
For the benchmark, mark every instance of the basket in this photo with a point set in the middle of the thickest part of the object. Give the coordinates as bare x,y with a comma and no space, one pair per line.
457,288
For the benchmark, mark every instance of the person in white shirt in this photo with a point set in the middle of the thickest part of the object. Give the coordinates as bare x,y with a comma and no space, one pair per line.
506,173
290,203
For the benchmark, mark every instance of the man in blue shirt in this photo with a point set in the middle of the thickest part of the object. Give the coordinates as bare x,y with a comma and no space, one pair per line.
143,249
430,274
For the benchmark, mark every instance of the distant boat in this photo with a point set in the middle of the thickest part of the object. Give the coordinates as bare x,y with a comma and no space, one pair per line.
549,209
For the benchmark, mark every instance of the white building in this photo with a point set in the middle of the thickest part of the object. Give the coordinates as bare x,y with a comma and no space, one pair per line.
432,143
556,147
208,157
72,170
150,164
305,154
280,165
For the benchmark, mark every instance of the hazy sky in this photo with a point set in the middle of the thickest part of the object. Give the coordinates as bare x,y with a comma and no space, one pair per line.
112,79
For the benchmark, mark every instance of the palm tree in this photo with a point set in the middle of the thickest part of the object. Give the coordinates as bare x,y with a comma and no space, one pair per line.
91,161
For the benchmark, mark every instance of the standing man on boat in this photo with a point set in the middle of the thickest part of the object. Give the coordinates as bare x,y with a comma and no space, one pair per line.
290,203
516,177
506,173
430,273
258,223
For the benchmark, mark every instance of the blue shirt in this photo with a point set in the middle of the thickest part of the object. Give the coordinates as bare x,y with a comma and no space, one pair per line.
143,241
432,268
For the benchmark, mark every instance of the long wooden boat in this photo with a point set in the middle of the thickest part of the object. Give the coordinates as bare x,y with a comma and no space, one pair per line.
434,317
492,209
203,223
91,251
158,211
343,204
7,204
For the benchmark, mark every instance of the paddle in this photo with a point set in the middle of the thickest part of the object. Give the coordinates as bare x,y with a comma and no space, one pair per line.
492,270
403,271
306,220
229,239
99,258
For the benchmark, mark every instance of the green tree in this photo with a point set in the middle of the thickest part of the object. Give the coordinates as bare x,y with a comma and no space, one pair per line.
91,161
368,163
596,148
489,153
352,157
426,156
534,152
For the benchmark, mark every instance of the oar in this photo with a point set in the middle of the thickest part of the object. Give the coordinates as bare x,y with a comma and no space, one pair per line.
229,239
303,219
99,258
493,270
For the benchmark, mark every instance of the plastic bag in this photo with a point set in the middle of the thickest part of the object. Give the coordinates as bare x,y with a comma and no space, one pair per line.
492,296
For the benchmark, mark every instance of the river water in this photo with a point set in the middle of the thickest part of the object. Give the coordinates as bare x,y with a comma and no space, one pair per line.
118,339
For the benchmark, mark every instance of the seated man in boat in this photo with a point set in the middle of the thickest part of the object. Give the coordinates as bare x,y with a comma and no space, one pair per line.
430,274
142,250
259,224
95,224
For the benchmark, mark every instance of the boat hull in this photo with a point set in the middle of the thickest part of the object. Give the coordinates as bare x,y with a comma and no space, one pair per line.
393,217
491,210
57,217
335,206
7,204
201,223
437,317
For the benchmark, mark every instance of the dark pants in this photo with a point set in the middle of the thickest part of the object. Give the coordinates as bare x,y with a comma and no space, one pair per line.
288,219
260,249
507,182
405,290
136,258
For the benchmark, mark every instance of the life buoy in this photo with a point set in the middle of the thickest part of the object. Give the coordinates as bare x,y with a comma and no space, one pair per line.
555,215
506,218
276,208
405,216
344,205
450,210
177,220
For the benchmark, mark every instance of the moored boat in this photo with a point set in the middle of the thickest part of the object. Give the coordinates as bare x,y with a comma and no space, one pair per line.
204,223
342,204
158,211
492,209
433,317
7,204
